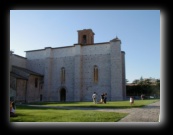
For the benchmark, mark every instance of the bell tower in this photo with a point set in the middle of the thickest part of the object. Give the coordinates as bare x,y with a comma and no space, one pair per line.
86,37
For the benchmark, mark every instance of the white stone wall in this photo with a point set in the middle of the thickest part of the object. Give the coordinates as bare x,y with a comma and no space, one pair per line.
63,52
123,74
102,61
36,60
36,65
79,62
77,73
37,54
69,51
68,64
96,49
116,71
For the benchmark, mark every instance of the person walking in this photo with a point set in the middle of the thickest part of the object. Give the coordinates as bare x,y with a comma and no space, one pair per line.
94,97
131,100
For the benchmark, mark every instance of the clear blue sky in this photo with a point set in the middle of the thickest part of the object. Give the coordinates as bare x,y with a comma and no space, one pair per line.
139,31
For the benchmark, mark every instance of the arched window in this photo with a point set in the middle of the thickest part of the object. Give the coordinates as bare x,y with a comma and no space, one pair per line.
95,74
84,39
36,82
62,75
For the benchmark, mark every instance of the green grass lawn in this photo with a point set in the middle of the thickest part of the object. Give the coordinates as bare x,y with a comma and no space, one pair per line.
50,112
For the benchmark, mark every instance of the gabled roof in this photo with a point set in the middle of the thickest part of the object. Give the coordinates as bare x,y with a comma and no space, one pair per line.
17,76
27,71
19,56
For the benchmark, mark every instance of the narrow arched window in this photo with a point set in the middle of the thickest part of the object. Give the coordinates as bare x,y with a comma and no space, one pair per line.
62,75
84,39
95,74
36,82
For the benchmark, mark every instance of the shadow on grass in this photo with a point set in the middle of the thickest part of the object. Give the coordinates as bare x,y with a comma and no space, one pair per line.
83,105
47,103
40,107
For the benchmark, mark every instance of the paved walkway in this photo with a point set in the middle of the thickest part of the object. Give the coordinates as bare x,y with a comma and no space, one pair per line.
149,113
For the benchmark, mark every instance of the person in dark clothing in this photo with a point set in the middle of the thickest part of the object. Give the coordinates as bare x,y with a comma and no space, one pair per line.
102,98
105,98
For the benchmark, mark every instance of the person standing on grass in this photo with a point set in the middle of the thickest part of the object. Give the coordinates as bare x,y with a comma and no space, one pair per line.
94,97
12,109
102,98
131,100
105,98
142,97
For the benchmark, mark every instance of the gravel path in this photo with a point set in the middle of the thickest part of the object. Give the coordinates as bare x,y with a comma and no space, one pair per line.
149,113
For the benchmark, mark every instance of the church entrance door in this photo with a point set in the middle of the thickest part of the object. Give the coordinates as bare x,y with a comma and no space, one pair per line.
63,95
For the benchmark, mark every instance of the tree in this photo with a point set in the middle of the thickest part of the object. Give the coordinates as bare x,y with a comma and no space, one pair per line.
136,81
158,82
148,87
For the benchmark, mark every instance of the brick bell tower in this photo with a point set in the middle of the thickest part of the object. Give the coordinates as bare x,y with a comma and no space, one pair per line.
86,37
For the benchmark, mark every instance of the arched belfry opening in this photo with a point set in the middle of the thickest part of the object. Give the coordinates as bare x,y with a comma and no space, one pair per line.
63,94
86,37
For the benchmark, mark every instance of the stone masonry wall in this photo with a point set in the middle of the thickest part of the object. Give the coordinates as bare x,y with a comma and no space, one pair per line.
21,90
56,85
116,71
123,74
33,93
79,62
102,61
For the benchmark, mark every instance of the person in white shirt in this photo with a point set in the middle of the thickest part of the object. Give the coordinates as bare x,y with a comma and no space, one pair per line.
131,100
94,97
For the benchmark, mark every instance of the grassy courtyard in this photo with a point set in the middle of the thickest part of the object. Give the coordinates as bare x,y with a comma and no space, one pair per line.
70,112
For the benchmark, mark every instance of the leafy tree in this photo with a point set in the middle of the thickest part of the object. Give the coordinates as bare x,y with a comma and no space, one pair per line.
135,81
144,86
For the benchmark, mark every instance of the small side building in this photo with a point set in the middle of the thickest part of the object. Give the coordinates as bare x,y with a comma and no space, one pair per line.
25,85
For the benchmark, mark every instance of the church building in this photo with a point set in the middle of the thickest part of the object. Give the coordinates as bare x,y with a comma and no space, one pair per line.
70,73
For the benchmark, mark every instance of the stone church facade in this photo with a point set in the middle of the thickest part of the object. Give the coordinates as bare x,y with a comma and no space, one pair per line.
70,73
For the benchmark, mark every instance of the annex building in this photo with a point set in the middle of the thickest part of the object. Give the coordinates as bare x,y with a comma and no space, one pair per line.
70,73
